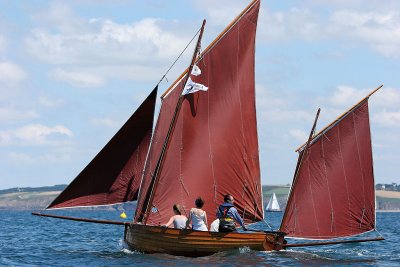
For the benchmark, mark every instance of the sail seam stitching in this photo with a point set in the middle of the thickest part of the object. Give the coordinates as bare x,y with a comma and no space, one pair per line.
312,196
180,159
210,138
327,182
359,160
345,178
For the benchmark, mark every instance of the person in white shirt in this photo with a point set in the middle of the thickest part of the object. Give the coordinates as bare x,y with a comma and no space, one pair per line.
197,216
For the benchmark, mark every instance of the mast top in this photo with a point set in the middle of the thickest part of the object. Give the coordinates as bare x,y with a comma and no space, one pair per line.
339,118
211,45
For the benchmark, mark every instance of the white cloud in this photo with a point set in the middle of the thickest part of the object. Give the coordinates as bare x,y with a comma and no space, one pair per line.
287,115
377,29
60,16
378,146
2,44
11,73
78,78
279,106
356,4
219,12
384,104
347,96
91,51
48,102
299,135
107,122
341,3
381,31
387,97
25,158
10,114
284,25
107,43
387,118
34,134
21,158
267,98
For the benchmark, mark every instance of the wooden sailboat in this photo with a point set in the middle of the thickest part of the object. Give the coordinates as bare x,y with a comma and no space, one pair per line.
205,144
273,204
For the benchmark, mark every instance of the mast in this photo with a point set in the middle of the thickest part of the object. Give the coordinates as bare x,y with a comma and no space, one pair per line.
300,160
170,131
340,117
213,148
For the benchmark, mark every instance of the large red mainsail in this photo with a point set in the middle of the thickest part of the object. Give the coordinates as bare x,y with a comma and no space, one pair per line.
333,194
114,175
213,150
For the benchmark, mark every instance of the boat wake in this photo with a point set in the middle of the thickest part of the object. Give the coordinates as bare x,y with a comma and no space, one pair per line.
123,247
304,255
344,256
244,250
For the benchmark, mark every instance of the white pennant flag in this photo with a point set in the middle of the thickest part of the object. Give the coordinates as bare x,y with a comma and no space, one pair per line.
196,71
192,87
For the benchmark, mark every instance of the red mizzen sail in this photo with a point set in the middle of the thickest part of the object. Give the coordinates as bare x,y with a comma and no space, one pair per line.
333,194
114,175
213,150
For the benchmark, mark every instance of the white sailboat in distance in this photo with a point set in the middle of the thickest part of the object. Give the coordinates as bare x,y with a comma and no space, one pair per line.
273,204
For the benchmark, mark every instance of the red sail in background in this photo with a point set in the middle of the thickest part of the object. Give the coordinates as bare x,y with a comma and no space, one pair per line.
333,194
213,150
114,175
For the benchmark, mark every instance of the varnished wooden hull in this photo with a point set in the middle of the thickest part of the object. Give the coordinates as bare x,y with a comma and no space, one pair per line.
154,239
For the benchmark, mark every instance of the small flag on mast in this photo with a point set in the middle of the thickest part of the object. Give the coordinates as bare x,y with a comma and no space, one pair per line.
191,86
196,71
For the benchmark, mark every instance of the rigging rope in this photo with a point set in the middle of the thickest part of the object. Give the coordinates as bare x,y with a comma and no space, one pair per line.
269,226
165,75
376,230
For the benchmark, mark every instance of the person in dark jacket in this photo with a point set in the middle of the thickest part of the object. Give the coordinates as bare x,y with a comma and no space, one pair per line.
228,214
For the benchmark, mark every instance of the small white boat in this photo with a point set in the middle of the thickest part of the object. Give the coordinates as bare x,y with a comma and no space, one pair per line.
273,204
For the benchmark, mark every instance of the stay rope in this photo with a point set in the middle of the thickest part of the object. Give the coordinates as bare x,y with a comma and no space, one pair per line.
165,75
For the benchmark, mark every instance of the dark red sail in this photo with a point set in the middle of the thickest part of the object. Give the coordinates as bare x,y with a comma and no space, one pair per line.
213,150
333,194
114,175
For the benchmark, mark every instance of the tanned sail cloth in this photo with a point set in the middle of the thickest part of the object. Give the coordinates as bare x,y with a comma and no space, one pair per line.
213,150
333,194
114,175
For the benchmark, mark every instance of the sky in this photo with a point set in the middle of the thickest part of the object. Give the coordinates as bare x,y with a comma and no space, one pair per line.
72,72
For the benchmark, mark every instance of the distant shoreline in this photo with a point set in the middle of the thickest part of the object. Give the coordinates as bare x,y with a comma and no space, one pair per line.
29,198
387,210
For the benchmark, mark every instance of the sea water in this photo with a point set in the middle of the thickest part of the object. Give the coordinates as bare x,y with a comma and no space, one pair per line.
27,240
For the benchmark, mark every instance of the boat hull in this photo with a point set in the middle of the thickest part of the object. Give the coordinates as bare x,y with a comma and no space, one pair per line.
186,242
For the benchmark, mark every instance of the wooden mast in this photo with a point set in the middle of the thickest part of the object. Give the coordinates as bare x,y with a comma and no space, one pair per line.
341,116
160,161
300,160
332,242
80,219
